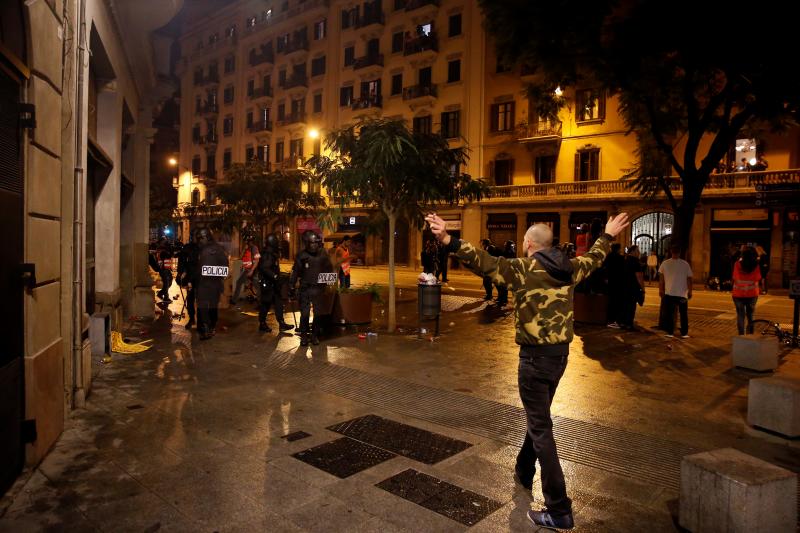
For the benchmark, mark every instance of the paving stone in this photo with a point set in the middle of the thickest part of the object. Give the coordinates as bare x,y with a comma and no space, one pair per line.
774,403
343,457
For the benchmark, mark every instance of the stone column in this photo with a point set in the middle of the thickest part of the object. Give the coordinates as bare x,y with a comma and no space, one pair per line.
775,274
107,206
563,226
522,227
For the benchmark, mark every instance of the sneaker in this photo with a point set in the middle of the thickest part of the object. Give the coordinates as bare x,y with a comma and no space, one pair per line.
285,327
669,336
544,518
685,336
613,325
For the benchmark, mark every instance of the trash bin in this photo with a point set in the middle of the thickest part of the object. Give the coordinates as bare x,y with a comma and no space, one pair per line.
429,304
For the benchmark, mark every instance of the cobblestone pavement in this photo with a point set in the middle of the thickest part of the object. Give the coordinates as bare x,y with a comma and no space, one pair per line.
251,432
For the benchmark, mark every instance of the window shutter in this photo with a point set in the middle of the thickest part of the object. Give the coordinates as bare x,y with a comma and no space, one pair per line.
595,164
493,110
511,123
510,171
577,166
491,170
601,105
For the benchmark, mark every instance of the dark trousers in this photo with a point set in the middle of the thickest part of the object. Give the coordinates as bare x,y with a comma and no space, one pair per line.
270,296
206,317
166,282
190,299
627,309
745,307
614,309
487,285
344,279
443,268
309,295
241,281
670,302
538,379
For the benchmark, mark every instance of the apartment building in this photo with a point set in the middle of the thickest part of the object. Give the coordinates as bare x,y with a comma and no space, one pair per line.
263,80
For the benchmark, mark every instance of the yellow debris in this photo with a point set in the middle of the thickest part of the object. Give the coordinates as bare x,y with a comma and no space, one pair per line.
250,313
120,346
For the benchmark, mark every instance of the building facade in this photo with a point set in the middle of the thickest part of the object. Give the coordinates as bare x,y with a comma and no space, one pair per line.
259,78
78,87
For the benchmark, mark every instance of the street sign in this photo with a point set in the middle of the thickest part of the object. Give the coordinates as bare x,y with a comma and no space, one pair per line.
215,271
794,288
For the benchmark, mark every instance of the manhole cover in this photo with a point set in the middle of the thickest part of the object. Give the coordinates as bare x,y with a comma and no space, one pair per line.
343,457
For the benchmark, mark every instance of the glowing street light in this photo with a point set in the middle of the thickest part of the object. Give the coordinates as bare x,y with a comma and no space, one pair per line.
172,162
558,91
313,133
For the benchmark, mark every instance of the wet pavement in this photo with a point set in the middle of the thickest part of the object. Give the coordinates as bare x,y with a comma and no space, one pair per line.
251,432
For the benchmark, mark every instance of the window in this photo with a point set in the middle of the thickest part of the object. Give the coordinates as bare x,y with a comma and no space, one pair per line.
213,71
211,165
318,66
230,64
425,77
195,197
230,32
587,164
397,84
283,42
249,119
349,56
503,171
318,103
266,15
295,149
422,124
279,151
298,107
250,22
281,111
349,18
501,66
590,104
198,76
264,115
397,42
196,133
266,83
213,38
399,4
227,126
451,124
502,117
227,96
196,165
425,29
320,29
317,147
346,96
262,153
251,87
454,25
453,71
249,153
211,129
226,159
545,169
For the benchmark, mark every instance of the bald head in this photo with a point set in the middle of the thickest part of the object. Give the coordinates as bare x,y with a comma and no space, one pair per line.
538,237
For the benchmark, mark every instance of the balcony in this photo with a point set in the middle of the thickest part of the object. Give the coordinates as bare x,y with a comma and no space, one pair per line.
422,44
367,103
260,126
295,45
429,5
261,92
421,94
719,185
209,140
292,118
374,60
209,108
266,56
370,17
540,132
527,72
211,77
295,84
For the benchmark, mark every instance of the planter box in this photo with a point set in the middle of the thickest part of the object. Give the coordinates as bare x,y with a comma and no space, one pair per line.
354,308
590,308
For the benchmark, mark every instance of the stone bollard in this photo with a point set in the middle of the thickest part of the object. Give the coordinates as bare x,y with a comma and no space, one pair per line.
729,491
755,352
774,403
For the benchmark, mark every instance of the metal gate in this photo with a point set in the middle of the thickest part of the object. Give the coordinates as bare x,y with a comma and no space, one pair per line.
653,231
11,325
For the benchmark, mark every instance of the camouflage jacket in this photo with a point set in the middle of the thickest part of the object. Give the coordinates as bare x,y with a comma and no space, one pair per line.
542,286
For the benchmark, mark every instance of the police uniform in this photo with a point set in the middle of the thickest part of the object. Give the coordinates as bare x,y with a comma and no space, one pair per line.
308,265
165,270
187,276
209,287
271,283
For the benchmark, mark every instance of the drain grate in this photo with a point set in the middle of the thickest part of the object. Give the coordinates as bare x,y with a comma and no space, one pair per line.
402,439
343,457
649,459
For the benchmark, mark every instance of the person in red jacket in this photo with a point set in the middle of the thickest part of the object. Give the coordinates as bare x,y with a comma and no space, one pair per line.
746,279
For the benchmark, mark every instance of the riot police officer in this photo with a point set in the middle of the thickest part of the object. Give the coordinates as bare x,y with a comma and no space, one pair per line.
188,262
269,278
309,264
212,269
164,256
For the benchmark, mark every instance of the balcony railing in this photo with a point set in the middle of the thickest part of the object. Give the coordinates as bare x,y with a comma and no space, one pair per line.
365,103
292,118
718,184
295,80
422,43
419,91
211,77
261,125
295,45
265,56
411,5
542,130
369,18
209,109
260,92
209,138
368,61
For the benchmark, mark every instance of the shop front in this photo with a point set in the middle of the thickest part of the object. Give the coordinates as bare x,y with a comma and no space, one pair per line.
594,223
553,220
304,224
354,227
730,230
501,227
791,246
452,224
401,240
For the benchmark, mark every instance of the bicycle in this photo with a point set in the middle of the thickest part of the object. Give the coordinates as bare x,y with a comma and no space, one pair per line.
767,327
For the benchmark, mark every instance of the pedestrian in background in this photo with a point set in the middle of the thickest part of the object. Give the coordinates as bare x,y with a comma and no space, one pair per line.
675,289
492,250
746,278
250,259
343,260
614,266
652,266
442,258
544,280
428,257
164,256
632,288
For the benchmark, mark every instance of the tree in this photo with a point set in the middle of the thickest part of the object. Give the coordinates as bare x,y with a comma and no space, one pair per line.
253,197
690,78
163,200
380,163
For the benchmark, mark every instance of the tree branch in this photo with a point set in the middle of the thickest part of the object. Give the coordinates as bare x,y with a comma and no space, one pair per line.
659,138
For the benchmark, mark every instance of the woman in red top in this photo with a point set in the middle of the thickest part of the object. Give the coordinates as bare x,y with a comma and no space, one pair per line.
746,278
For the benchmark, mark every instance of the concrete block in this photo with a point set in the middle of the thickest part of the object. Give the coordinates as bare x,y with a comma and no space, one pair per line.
756,352
729,491
100,334
774,403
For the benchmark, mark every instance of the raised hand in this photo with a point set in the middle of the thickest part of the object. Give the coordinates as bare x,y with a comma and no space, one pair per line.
616,224
437,226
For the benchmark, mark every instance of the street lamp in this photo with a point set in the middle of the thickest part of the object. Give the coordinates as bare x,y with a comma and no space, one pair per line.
313,133
172,162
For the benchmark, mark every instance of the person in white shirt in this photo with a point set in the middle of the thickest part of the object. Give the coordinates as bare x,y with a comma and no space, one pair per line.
675,288
652,266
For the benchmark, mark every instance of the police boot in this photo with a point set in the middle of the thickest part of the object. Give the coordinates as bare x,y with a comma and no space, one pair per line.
264,327
304,339
283,326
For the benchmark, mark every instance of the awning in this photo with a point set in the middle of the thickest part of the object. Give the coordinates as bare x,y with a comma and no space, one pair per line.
335,237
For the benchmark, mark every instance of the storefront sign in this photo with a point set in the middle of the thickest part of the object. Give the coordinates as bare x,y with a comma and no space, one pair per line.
304,224
502,221
738,215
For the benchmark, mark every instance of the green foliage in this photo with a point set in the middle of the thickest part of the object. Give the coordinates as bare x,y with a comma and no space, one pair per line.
163,200
370,288
252,197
